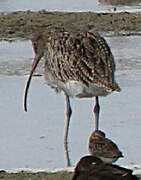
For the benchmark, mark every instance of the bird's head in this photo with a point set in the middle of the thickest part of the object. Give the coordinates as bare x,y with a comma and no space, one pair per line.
86,163
38,43
97,134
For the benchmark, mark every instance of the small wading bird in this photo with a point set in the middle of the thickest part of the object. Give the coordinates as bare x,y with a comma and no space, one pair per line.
103,148
92,168
79,63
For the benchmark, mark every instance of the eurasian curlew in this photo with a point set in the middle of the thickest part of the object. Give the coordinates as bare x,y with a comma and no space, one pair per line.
79,63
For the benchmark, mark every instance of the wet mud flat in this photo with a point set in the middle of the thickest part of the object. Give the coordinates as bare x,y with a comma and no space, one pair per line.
64,175
24,24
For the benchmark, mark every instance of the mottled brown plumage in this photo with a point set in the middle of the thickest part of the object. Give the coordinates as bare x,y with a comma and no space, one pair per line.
103,148
92,168
77,56
80,63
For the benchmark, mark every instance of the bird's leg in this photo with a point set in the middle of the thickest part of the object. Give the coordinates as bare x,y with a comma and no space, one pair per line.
96,113
68,115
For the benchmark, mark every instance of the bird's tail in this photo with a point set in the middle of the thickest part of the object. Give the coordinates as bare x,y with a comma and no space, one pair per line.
116,87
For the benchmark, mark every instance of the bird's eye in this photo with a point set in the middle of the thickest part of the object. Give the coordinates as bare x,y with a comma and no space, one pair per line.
93,163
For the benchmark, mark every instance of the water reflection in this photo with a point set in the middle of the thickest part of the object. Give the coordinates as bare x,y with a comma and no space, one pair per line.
67,155
120,2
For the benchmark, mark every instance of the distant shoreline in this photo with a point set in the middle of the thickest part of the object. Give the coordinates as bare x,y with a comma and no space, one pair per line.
22,24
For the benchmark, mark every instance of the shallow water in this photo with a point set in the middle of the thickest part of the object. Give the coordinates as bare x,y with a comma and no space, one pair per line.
18,50
55,5
35,139
62,5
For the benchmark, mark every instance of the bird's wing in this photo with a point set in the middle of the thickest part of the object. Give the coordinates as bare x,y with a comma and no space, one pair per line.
83,57
112,148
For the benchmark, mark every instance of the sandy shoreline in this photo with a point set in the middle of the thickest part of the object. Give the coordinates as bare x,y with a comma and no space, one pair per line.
65,174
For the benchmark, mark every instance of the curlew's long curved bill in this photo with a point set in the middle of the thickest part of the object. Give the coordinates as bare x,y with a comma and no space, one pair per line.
34,65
